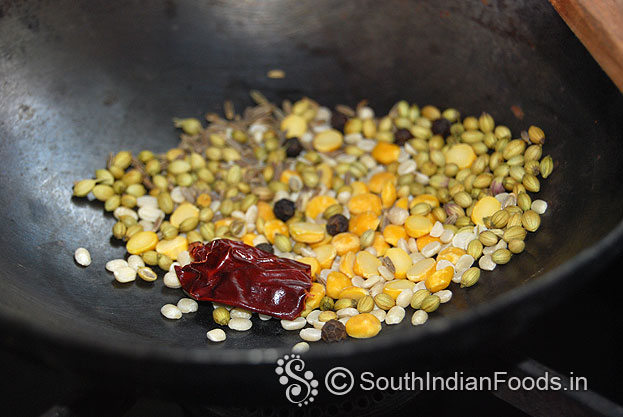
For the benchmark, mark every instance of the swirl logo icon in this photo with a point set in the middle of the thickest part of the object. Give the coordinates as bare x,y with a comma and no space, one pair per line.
301,385
339,381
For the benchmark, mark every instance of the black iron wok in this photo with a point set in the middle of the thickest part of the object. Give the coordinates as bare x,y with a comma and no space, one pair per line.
79,79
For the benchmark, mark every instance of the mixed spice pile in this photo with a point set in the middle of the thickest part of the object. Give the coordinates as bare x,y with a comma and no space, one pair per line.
384,212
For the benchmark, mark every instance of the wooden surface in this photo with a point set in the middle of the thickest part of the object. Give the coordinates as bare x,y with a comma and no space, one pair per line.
599,25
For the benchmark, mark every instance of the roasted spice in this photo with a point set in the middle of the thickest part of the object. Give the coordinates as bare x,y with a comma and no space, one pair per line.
333,331
402,136
337,224
266,247
284,209
293,147
441,127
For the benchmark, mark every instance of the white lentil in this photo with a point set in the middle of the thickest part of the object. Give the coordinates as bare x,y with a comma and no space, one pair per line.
237,214
511,200
305,251
296,324
419,317
444,295
346,158
147,225
409,149
135,262
264,317
464,263
82,257
280,195
344,320
368,161
183,258
352,138
343,197
313,317
323,114
501,245
173,265
486,263
357,281
115,264
318,324
146,201
402,244
415,257
251,214
488,250
310,334
419,286
177,195
365,112
385,273
407,167
444,246
377,289
217,305
421,178
307,137
462,239
412,244
444,264
372,281
437,229
150,213
497,232
300,347
403,156
539,206
431,249
171,312
397,215
124,211
404,298
371,250
171,280
395,315
239,313
215,205
446,236
125,274
216,335
379,314
347,312
241,325
456,278
259,239
187,305
366,145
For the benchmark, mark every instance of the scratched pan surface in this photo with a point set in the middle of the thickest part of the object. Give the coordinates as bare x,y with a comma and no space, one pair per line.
80,79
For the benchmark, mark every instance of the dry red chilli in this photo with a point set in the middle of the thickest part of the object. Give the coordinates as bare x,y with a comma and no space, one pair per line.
239,275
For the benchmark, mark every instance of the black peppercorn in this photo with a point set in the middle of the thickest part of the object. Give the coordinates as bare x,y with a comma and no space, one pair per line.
337,224
333,331
284,209
266,247
293,147
338,120
401,136
441,127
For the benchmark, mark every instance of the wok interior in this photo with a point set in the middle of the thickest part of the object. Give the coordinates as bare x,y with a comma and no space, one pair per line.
82,79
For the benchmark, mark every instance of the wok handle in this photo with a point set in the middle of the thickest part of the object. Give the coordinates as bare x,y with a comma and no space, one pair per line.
599,25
